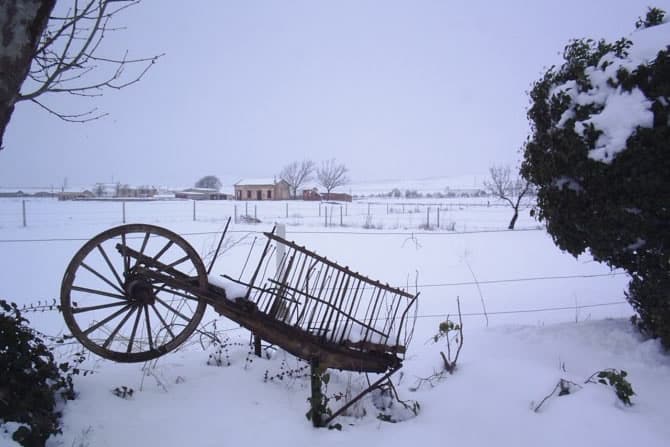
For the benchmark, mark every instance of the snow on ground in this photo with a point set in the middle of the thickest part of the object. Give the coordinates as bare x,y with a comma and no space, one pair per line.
539,330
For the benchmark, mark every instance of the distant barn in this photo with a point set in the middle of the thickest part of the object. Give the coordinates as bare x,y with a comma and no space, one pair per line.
200,194
314,194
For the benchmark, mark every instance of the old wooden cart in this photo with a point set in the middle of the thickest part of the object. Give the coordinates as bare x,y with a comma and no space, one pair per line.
136,292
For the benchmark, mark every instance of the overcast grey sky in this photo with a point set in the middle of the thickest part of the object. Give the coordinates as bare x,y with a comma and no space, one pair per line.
393,89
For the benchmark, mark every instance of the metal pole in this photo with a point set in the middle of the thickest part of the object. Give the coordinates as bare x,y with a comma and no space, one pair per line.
281,248
438,217
319,209
194,211
341,220
123,207
235,213
287,210
427,218
255,212
325,216
246,208
23,205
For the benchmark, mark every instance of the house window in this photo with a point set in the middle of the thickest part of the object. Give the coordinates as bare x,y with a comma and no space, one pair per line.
269,194
248,194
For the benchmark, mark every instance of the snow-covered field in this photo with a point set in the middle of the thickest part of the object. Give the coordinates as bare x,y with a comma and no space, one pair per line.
550,316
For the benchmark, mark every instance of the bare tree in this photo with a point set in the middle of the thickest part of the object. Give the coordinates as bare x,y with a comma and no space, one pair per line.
511,190
331,175
297,174
44,52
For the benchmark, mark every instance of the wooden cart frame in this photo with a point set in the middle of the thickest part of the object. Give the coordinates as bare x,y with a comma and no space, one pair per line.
138,291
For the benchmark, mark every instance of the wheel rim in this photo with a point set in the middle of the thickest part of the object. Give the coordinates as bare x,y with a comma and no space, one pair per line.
116,309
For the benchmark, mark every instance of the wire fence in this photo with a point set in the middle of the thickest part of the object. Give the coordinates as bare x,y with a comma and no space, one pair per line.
444,215
302,218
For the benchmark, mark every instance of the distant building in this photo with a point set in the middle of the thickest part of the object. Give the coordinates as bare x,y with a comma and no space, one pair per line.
200,194
314,194
135,191
262,189
75,195
12,194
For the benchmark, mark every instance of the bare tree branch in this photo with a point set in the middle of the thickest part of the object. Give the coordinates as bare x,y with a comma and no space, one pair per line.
331,175
297,174
67,58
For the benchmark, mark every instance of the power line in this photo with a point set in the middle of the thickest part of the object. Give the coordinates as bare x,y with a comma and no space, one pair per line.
525,311
512,280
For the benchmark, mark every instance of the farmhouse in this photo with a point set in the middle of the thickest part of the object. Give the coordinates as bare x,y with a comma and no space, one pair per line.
261,189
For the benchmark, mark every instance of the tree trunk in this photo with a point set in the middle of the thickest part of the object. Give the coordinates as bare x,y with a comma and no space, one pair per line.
514,218
22,22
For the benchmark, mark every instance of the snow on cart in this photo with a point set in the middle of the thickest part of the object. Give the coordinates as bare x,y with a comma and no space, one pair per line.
136,292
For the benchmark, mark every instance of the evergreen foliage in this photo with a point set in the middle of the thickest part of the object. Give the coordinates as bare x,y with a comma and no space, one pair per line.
30,380
209,181
619,211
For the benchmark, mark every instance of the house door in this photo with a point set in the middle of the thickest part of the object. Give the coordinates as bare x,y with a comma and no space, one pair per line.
259,195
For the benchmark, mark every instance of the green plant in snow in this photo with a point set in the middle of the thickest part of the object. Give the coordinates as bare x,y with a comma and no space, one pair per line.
617,380
31,381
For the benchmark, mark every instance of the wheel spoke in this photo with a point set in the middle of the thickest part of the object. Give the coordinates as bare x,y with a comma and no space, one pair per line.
179,261
76,310
144,246
118,327
146,317
163,250
175,311
99,292
109,263
132,334
106,320
114,286
165,325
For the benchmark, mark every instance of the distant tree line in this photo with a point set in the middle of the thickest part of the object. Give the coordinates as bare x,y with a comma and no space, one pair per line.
330,175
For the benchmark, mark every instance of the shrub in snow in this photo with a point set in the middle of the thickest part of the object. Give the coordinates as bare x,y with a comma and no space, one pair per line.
599,155
30,380
617,380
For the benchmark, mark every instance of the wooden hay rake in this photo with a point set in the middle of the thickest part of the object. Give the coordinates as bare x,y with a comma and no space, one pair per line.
136,292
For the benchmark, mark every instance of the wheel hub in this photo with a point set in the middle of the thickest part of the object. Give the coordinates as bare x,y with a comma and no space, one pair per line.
140,291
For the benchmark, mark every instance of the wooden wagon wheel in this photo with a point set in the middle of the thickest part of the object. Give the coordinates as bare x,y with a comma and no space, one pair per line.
121,297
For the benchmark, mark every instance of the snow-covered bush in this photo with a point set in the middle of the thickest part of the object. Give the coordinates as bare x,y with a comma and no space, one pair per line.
599,154
30,380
